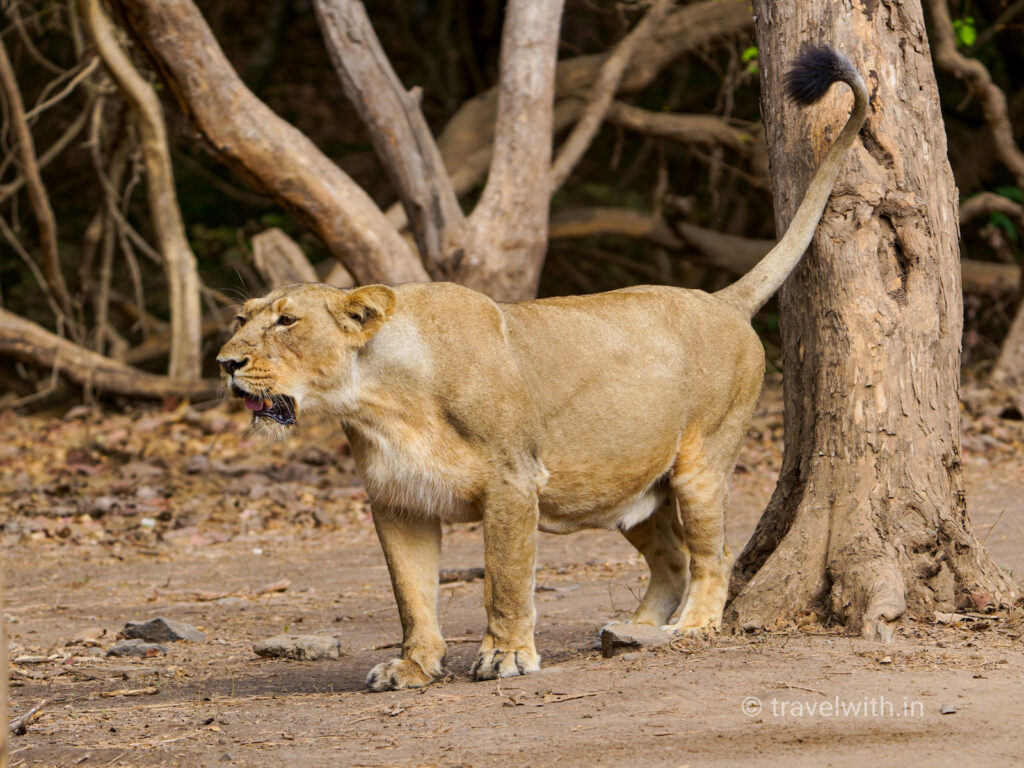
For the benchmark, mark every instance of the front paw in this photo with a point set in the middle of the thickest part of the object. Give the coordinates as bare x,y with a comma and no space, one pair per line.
396,674
499,662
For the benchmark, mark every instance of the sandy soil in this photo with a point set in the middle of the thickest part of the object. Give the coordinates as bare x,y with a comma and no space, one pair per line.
111,518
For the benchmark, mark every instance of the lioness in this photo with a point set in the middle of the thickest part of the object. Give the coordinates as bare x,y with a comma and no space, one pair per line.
613,410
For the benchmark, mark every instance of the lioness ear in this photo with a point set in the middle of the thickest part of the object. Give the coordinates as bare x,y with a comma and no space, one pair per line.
363,310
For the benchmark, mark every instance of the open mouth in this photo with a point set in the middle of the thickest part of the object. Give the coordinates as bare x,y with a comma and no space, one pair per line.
280,408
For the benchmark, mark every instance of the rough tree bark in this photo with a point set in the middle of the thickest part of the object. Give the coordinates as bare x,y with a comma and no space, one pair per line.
869,516
179,261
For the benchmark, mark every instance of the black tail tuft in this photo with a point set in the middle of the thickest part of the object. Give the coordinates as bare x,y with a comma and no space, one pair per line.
813,72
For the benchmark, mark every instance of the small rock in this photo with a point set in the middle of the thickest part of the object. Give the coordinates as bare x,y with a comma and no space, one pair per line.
233,602
618,637
197,465
161,630
277,586
136,647
948,709
299,647
88,637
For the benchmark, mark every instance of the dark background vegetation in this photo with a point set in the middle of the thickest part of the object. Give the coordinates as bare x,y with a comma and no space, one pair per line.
450,49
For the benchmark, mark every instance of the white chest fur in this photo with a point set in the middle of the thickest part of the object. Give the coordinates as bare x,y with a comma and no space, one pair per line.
403,472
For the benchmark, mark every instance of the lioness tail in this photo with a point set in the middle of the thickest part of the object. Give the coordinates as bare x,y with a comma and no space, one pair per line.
812,74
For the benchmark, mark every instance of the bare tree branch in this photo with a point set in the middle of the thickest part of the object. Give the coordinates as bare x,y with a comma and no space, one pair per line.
396,125
280,260
62,143
690,129
247,135
993,100
989,202
500,249
735,255
34,185
179,261
466,140
605,85
686,29
33,344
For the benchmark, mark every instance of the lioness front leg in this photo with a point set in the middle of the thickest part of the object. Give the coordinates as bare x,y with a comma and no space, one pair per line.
510,547
412,548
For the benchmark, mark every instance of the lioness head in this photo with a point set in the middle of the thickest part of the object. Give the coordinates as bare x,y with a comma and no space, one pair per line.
294,348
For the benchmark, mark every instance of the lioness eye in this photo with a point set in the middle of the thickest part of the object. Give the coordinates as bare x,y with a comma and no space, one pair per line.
285,320
240,320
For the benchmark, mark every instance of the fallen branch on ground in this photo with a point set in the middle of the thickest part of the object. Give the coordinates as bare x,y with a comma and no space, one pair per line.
33,344
19,725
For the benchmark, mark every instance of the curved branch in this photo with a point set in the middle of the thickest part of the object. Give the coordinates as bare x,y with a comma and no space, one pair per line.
396,125
989,202
605,84
247,135
179,261
731,253
993,100
34,185
690,129
686,29
33,344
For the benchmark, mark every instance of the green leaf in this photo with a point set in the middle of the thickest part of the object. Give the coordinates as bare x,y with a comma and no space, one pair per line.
966,32
749,54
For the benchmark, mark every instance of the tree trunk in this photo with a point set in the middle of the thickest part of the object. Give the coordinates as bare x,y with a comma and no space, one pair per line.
179,261
869,516
500,248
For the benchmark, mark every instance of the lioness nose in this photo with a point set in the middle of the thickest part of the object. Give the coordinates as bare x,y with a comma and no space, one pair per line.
231,365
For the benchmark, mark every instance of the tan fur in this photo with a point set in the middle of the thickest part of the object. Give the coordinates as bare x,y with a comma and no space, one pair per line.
558,414
618,410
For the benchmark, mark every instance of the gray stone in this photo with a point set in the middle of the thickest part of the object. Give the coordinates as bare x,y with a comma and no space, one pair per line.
299,647
161,630
617,637
137,647
233,602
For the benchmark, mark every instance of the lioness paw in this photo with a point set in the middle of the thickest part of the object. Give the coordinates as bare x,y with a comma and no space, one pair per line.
497,662
396,674
706,632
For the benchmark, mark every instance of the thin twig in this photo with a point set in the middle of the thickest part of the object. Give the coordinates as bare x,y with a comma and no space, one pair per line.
605,85
87,70
19,725
51,152
34,183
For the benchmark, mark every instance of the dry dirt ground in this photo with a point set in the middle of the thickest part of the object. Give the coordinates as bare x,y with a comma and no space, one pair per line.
110,517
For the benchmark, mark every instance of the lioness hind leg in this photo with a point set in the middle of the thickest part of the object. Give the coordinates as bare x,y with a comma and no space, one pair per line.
412,548
660,540
700,480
